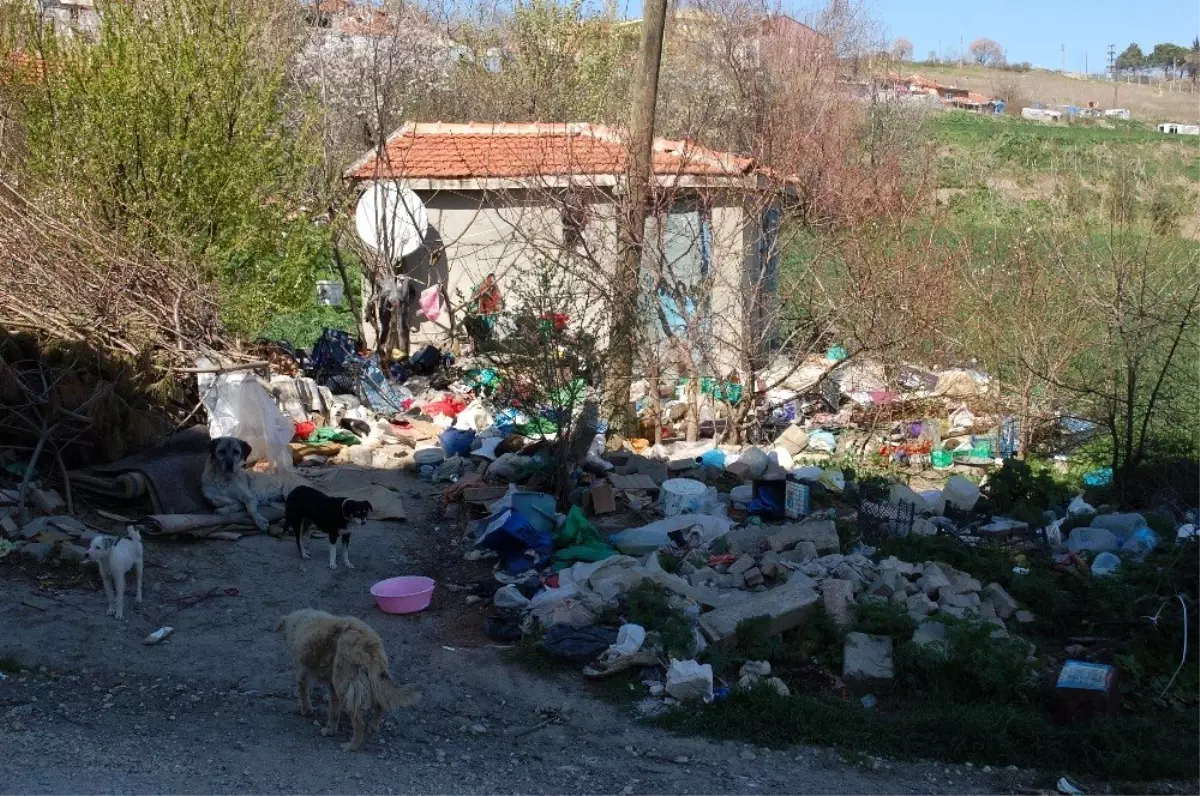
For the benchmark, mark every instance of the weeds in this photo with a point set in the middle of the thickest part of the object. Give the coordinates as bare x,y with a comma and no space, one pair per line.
648,605
983,732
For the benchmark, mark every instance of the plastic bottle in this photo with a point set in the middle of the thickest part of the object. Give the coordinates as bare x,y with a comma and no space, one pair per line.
1105,564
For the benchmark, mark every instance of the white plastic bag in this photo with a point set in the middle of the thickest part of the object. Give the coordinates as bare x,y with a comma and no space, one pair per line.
510,597
630,639
1079,506
238,405
689,681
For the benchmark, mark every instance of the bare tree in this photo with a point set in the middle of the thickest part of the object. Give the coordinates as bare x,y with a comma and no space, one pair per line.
902,49
986,52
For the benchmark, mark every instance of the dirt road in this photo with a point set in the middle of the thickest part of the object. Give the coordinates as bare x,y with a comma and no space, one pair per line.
212,709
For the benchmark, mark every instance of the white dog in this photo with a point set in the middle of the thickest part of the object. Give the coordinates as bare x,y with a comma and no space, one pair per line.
115,558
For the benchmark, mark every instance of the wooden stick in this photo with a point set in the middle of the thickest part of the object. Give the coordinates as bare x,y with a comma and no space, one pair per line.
223,368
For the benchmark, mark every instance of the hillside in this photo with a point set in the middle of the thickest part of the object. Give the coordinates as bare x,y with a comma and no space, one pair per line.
985,164
1146,103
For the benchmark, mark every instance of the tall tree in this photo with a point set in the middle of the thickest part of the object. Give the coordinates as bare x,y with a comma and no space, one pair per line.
1131,60
986,52
902,49
1167,57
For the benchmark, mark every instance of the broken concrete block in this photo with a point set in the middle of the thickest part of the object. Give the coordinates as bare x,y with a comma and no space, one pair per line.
961,600
849,573
1005,605
785,607
957,611
755,669
802,554
754,577
822,533
867,659
831,561
838,598
701,576
814,570
9,527
769,563
741,565
931,634
988,611
1024,617
921,604
903,567
933,580
961,581
729,581
889,583
747,540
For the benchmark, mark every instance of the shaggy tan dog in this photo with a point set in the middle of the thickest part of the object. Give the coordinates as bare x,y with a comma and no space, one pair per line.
345,653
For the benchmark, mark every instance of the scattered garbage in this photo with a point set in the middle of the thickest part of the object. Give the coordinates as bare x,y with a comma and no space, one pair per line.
689,681
158,636
1105,564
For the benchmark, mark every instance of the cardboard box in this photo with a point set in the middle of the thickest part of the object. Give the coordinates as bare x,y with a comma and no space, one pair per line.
604,499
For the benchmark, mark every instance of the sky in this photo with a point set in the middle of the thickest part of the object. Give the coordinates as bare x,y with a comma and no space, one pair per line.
1038,30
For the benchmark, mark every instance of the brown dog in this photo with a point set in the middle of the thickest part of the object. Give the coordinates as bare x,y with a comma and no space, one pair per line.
348,655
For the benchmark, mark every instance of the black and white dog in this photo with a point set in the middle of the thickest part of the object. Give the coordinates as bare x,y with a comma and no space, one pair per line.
307,507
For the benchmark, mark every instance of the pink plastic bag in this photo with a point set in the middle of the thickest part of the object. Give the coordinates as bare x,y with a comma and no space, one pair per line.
431,302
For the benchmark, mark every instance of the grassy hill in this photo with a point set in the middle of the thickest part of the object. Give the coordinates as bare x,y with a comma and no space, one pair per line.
1147,103
988,164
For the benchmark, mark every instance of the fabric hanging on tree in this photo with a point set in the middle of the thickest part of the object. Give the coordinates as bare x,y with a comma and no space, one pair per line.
431,303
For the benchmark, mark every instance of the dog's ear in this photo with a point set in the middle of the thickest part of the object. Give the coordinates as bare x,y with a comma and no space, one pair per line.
368,506
245,449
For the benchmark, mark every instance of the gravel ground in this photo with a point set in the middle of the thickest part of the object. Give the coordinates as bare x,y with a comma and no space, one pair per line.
212,709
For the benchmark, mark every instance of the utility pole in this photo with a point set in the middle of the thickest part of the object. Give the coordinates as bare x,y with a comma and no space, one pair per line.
1112,70
644,96
960,52
1062,48
1086,73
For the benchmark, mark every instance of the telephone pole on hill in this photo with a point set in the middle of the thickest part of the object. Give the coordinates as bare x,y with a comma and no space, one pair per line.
1112,70
644,96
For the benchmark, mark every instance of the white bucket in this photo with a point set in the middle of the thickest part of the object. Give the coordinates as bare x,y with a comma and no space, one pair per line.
682,496
329,293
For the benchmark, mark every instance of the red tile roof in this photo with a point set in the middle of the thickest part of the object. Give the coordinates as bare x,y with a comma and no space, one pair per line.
487,150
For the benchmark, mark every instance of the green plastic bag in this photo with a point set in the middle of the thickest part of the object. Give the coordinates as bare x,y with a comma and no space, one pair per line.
579,540
331,434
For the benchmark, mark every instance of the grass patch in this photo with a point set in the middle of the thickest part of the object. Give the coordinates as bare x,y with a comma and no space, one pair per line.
9,665
996,733
648,605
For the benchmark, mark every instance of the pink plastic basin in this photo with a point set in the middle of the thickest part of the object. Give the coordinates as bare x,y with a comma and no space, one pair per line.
406,594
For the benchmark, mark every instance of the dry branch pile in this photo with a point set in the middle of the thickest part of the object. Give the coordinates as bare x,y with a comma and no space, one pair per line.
65,279
91,332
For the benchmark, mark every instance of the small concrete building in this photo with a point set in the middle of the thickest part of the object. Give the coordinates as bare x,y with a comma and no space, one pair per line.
1175,128
502,197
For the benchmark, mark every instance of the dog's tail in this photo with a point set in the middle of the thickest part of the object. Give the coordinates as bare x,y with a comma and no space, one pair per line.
361,676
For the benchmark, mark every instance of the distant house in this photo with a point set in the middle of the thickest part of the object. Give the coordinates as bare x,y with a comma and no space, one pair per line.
70,17
762,41
502,197
1175,128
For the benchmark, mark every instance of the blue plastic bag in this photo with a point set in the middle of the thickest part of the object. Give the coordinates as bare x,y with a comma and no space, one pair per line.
457,441
521,546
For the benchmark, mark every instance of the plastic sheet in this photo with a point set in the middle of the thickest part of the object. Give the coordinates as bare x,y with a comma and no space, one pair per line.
239,406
